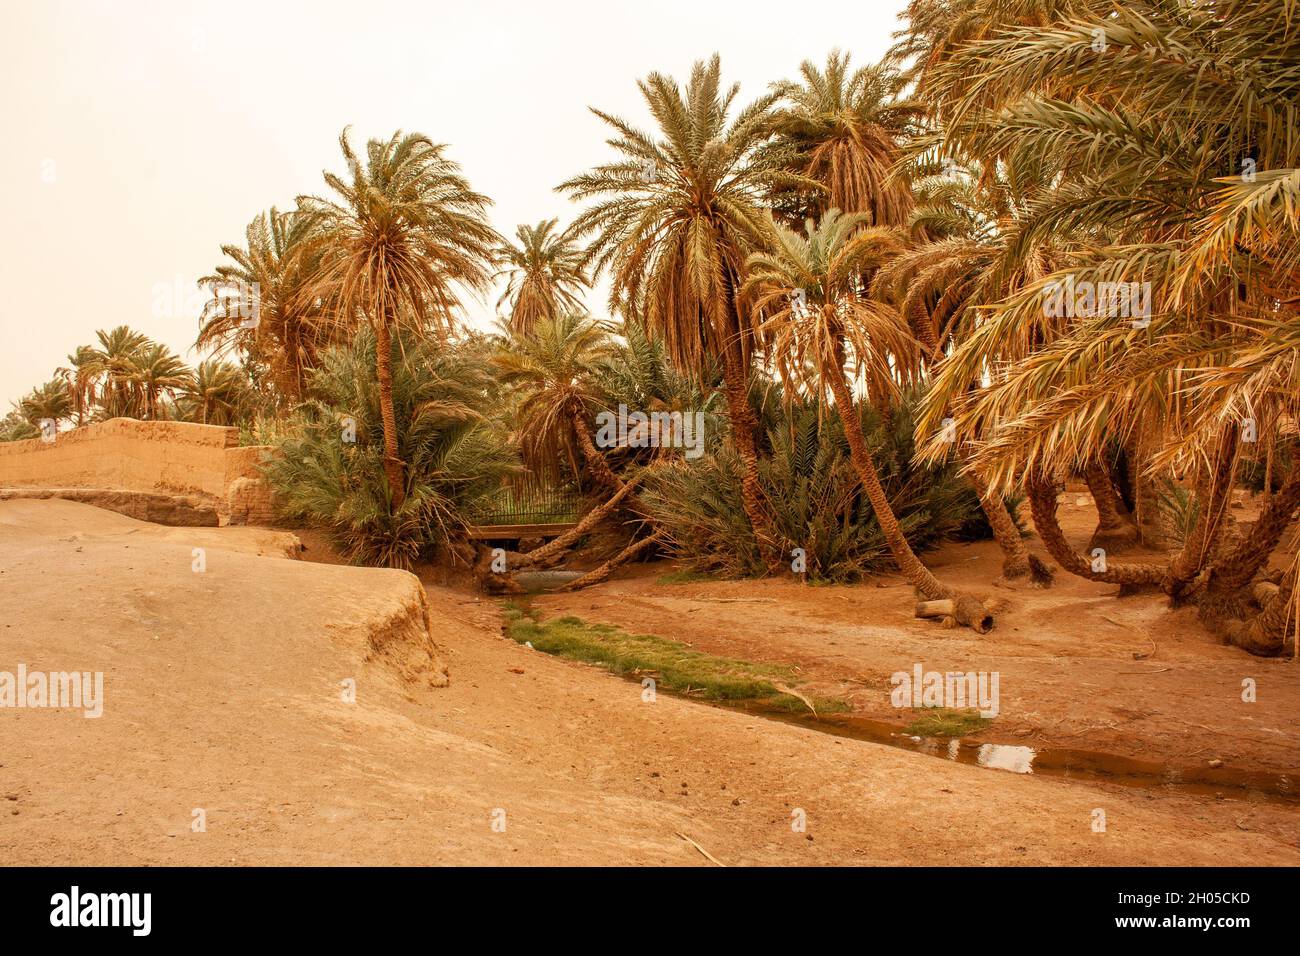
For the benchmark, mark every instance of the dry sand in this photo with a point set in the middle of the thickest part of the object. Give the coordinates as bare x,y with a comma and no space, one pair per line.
223,694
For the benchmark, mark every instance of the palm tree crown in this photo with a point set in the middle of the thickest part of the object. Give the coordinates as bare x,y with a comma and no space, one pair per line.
544,275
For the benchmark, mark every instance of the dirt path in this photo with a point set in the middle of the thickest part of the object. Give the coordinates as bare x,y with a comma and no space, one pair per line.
222,693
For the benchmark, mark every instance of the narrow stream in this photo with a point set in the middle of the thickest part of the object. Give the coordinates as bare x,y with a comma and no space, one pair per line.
1085,765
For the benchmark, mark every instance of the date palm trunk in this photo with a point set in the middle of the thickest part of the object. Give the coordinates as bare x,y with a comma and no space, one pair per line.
1146,490
557,546
908,563
1114,531
394,469
1213,494
1235,569
743,428
1017,562
1265,634
1042,501
599,574
592,455
606,475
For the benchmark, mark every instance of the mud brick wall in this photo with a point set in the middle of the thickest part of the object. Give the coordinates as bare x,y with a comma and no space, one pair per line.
123,454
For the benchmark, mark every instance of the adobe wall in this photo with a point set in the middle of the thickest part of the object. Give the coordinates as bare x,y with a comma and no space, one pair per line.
123,454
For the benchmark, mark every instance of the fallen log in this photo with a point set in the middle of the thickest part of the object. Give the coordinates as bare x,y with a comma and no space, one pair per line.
963,609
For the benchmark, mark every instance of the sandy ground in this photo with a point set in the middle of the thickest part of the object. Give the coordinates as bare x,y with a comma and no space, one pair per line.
223,694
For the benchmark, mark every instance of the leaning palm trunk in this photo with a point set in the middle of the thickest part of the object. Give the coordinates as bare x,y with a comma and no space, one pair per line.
595,459
1265,634
1042,501
1114,531
908,563
1235,569
597,575
1213,494
558,546
1017,562
394,470
592,455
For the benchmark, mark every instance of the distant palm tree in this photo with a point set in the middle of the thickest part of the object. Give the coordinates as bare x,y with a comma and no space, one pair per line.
259,306
14,427
403,233
845,129
80,375
215,394
544,273
49,402
676,215
157,372
556,370
808,294
113,365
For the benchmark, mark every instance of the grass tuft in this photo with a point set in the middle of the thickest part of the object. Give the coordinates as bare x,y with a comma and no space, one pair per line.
673,665
942,722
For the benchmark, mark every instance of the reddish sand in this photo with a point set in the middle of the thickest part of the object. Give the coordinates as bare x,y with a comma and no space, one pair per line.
1079,668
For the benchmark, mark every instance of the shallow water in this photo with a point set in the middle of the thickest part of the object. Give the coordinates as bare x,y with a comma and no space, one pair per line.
537,582
1091,766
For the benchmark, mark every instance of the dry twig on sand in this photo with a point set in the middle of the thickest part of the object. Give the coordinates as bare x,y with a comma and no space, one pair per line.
709,856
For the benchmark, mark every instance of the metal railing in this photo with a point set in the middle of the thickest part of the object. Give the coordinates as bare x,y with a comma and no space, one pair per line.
515,506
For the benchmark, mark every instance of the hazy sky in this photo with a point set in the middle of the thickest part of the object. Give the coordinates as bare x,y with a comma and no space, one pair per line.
141,136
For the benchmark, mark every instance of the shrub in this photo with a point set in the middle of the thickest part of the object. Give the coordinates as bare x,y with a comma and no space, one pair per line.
456,453
815,496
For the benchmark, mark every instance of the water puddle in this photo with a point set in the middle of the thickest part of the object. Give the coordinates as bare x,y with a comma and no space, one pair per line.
1083,765
539,582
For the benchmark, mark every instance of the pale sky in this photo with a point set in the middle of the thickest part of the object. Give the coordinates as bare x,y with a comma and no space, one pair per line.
140,136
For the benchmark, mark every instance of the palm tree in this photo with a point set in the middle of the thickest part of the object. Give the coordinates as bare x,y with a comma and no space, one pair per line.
965,220
215,394
1170,179
15,427
403,232
258,304
457,454
544,275
49,402
676,215
808,292
556,371
844,130
157,372
113,365
79,376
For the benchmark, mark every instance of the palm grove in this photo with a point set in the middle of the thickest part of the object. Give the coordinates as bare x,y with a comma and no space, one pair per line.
848,277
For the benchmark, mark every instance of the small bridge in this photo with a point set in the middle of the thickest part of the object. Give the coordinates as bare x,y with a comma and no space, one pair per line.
526,513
